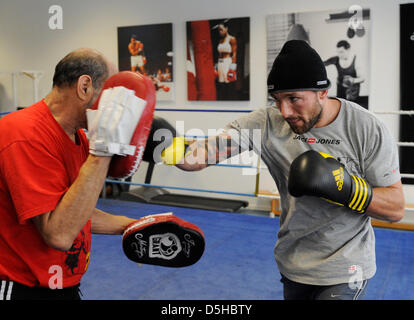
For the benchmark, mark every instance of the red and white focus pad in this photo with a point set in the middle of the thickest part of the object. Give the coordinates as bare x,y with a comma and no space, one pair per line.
163,240
126,165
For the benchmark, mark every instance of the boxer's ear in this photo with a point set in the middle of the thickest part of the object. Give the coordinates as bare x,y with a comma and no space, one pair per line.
84,88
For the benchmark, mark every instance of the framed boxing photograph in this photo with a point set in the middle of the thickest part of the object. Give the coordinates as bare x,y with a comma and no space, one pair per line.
342,39
148,49
218,59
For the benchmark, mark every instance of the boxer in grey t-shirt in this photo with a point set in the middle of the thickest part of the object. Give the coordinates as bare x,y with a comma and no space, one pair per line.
319,241
325,247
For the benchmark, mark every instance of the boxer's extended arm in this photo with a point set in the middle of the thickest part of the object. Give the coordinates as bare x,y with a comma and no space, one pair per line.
206,152
60,227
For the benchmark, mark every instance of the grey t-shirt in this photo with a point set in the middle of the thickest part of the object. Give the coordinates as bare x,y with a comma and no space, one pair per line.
320,242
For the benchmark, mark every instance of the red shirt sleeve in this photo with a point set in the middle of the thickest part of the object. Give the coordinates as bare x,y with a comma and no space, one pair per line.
36,178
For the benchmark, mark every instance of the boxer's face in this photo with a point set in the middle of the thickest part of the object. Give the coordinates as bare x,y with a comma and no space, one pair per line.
301,109
222,30
342,53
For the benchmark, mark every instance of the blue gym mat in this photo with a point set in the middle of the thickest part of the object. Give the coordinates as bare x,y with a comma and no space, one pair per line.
237,264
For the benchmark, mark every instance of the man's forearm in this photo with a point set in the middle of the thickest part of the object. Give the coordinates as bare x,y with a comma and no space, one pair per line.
207,152
61,226
359,80
387,203
106,223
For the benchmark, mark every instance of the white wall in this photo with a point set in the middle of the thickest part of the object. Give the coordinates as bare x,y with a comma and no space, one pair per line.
26,42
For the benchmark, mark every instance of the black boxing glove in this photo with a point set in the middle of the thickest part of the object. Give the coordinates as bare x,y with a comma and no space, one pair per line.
161,136
321,175
164,145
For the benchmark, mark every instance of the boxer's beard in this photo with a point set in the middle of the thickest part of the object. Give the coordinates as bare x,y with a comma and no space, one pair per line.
307,124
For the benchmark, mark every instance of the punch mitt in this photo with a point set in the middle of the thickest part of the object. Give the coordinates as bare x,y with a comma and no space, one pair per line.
127,155
163,240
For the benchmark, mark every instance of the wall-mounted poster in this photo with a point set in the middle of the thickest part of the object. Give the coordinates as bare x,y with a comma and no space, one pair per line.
148,49
342,39
218,59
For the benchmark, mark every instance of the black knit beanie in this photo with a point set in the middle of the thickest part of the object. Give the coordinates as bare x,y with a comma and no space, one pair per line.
298,67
